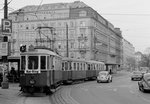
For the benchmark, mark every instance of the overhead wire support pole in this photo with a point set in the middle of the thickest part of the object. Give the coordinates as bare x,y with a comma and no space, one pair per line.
5,84
67,48
5,10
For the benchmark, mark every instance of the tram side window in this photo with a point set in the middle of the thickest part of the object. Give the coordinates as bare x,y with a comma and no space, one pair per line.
74,66
63,66
48,67
81,67
88,66
66,66
77,66
23,62
43,62
33,62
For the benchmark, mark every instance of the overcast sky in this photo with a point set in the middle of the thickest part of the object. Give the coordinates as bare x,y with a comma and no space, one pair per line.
131,16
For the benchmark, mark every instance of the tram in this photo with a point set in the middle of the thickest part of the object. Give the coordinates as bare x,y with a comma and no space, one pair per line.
40,70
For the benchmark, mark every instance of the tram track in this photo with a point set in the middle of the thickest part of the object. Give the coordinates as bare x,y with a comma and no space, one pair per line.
63,96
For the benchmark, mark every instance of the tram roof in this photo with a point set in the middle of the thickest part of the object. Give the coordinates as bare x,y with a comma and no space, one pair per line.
93,61
73,59
81,60
40,52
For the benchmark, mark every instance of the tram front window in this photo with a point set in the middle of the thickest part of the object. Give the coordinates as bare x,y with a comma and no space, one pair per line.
33,62
23,62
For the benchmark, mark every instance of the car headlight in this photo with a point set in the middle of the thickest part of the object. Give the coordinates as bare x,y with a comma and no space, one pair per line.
32,81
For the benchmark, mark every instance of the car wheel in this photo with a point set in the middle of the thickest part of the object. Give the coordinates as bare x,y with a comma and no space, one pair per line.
142,89
98,81
108,80
139,88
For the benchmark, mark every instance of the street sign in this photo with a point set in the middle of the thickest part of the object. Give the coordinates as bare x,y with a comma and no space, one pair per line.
6,27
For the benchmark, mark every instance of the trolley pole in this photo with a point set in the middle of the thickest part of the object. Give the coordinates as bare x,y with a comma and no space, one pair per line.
67,49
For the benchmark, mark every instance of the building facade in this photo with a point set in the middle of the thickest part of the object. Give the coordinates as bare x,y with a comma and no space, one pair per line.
128,55
72,29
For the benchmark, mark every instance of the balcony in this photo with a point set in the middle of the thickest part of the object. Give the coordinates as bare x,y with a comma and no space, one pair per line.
112,55
82,49
81,38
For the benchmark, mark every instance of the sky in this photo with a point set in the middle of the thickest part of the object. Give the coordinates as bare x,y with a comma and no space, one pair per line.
131,16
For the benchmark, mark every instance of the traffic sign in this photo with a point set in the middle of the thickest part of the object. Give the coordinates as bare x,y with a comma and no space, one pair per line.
6,27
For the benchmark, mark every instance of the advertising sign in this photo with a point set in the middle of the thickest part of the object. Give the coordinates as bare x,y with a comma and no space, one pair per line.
3,48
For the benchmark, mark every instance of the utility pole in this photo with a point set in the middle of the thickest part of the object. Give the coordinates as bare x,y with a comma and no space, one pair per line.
5,10
5,84
67,49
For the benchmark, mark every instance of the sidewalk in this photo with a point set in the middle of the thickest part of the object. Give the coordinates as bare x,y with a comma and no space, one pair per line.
10,95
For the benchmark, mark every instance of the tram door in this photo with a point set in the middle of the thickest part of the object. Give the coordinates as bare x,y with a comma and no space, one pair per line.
52,73
69,71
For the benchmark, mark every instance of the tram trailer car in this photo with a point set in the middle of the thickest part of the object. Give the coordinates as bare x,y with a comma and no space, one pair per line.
78,69
40,71
73,70
93,68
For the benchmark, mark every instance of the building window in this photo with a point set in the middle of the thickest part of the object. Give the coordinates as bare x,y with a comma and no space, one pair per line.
71,24
72,45
27,26
59,24
82,31
82,23
59,45
82,13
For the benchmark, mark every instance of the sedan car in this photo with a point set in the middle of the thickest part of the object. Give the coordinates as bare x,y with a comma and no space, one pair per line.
136,75
144,84
104,76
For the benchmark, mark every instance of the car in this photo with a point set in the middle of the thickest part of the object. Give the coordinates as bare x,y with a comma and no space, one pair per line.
136,75
104,76
144,84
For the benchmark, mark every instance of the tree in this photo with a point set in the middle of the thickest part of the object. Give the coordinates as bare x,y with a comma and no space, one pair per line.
145,61
131,62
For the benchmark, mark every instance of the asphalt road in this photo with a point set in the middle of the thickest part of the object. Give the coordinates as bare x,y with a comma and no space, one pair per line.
121,91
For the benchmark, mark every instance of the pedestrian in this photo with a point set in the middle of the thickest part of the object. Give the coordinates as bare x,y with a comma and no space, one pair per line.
13,73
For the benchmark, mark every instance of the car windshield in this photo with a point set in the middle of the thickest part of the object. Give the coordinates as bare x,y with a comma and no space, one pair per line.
147,77
137,72
103,73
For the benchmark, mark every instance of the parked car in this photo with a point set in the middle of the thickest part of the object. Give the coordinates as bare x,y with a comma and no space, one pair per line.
144,84
104,76
136,75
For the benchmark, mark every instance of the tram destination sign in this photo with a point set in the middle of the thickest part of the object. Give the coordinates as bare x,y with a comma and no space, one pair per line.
6,27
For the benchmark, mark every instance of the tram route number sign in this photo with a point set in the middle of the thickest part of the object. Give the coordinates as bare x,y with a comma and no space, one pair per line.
32,71
6,27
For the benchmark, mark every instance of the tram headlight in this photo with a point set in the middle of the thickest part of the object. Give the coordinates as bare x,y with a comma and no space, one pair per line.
32,81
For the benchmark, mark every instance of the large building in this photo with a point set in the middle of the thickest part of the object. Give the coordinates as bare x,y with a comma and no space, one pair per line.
72,29
128,55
